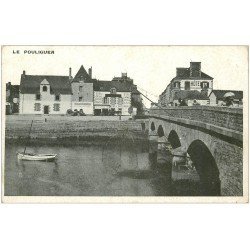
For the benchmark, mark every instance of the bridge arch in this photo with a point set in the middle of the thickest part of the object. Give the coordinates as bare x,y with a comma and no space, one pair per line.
152,127
174,139
160,131
206,168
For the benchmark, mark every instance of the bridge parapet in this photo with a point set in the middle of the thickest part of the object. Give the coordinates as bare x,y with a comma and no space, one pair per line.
225,117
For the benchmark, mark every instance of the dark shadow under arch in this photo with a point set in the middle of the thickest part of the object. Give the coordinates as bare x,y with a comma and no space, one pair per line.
152,127
160,131
174,139
206,167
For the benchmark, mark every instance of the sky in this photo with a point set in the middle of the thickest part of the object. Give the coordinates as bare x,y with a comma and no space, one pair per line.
151,67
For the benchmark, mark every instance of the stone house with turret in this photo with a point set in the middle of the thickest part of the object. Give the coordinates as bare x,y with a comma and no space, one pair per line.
82,86
44,94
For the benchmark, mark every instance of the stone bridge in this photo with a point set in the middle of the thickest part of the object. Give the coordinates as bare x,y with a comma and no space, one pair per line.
213,139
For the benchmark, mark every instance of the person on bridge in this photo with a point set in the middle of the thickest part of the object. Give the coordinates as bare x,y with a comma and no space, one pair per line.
229,102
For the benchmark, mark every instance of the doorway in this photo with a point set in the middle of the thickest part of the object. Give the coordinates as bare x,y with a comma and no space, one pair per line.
187,85
46,110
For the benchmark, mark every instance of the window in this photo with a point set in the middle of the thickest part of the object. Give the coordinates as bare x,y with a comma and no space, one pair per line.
204,85
105,100
80,88
38,97
45,88
112,100
187,85
56,107
120,101
177,84
80,99
57,97
37,107
113,91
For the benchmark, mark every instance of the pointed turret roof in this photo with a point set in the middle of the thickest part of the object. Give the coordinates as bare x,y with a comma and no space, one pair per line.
82,75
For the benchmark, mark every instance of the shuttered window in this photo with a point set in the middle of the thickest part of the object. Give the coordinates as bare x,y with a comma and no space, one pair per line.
57,97
120,101
56,107
37,107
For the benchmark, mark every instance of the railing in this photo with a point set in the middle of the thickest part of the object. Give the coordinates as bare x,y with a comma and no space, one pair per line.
225,117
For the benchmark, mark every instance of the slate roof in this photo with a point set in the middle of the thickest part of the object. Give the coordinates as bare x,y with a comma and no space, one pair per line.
30,84
119,86
220,93
190,95
185,74
15,90
82,75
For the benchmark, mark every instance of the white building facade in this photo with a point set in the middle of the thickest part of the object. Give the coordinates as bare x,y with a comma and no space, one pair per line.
188,79
106,101
44,94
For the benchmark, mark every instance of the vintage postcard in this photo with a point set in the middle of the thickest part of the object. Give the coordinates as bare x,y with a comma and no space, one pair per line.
132,124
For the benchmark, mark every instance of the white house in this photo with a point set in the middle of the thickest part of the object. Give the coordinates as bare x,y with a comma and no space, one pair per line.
42,94
112,96
191,78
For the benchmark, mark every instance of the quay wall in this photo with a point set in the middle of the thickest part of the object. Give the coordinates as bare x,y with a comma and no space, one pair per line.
59,127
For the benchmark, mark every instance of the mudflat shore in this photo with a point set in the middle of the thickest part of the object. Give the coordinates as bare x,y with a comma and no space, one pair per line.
17,127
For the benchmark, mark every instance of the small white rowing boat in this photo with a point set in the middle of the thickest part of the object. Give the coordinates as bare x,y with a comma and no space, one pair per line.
36,157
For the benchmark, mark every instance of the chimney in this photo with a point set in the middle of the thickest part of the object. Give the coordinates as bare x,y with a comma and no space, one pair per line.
90,72
195,69
181,72
23,72
124,75
70,73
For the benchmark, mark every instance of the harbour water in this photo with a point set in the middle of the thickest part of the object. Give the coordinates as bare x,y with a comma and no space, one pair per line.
100,169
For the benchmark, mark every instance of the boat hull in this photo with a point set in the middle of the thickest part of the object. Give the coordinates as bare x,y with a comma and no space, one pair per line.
36,157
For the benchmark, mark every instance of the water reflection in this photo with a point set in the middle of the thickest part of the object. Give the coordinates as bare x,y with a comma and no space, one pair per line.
111,169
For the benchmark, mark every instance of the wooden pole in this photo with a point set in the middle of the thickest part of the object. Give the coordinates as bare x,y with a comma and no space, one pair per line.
28,137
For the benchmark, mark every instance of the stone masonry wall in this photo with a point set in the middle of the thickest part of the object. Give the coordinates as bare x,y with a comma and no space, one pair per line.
231,118
17,127
228,156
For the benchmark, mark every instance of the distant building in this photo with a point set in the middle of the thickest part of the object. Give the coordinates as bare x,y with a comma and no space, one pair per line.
43,94
217,97
191,78
12,98
123,78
